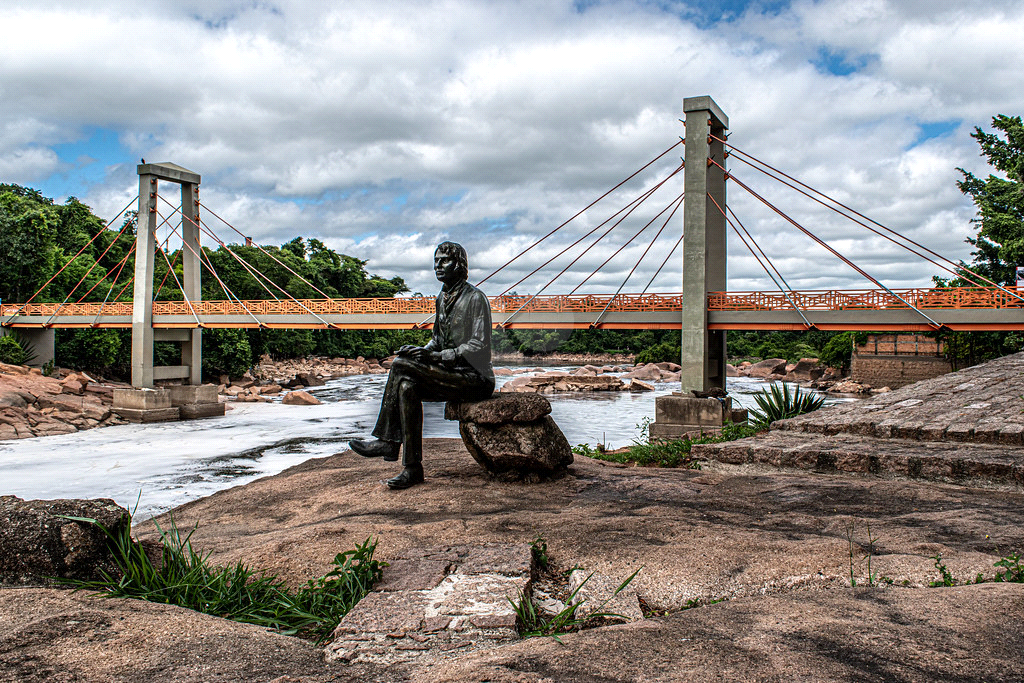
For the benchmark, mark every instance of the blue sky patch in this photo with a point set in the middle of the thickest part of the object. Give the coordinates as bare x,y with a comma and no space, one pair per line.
935,129
839,62
85,162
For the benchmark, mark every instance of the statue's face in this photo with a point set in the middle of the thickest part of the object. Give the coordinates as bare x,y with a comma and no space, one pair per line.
446,268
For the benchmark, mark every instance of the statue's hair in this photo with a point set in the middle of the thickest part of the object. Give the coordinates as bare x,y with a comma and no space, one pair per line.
456,251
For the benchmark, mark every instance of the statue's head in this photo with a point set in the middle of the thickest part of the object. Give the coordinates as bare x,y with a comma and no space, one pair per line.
454,253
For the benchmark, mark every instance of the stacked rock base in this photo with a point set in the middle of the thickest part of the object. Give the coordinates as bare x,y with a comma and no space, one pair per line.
512,435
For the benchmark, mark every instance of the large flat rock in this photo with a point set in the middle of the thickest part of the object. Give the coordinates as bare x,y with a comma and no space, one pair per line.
982,404
773,543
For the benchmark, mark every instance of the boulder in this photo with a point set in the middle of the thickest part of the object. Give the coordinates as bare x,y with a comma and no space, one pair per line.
515,408
38,544
731,371
806,370
512,435
297,398
650,373
309,379
769,366
638,385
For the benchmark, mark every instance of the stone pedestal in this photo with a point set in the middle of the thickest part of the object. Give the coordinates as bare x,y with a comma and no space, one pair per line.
512,435
196,401
678,414
145,405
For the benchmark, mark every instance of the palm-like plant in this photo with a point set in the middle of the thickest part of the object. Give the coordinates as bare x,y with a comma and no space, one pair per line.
778,403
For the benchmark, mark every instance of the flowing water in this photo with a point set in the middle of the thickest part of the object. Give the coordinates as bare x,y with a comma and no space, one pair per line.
160,466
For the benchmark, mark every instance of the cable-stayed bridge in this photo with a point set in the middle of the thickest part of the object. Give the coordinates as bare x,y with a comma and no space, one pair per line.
703,309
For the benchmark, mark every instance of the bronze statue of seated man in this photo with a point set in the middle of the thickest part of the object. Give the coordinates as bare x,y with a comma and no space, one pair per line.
455,365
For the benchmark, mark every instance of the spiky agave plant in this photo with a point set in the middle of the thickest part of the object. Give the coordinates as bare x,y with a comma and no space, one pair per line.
778,402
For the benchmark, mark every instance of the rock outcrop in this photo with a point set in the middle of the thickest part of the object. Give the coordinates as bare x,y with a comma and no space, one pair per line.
32,404
38,543
512,435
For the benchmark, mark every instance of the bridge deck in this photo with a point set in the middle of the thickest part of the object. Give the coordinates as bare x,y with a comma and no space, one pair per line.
972,308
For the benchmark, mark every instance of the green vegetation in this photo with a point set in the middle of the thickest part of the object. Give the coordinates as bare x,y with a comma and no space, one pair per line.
16,350
37,237
999,244
532,623
669,453
777,402
185,578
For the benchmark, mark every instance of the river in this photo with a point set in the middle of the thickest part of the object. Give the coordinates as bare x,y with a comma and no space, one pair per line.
157,467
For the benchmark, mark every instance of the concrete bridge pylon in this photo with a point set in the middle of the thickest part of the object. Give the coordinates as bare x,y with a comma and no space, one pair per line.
144,373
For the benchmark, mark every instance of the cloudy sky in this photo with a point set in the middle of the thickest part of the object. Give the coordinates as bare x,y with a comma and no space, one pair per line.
384,128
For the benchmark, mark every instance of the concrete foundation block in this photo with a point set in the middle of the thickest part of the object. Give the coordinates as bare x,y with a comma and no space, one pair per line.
687,410
193,411
142,399
189,394
150,415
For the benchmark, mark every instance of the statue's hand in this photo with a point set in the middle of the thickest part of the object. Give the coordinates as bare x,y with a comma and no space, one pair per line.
407,350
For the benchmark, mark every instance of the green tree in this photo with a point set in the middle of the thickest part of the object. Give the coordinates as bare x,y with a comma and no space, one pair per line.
1000,201
999,244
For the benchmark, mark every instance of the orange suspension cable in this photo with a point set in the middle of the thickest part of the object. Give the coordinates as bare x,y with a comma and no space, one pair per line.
210,232
627,243
124,261
631,206
646,195
864,225
75,256
256,275
667,257
678,202
276,260
578,214
825,244
170,269
870,220
759,262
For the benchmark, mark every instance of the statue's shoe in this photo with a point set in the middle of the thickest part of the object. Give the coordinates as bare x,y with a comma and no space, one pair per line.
375,449
410,476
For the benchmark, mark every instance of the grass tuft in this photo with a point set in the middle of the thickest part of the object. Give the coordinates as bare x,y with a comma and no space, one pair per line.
671,453
186,578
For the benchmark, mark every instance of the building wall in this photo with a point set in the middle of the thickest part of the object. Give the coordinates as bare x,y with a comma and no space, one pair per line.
896,360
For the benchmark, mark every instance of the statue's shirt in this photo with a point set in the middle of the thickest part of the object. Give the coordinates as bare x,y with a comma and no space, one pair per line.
463,326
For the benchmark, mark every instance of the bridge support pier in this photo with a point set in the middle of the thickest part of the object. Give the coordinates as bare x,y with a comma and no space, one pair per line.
144,374
704,270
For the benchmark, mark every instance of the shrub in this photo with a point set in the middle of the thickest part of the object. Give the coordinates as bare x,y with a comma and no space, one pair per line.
661,353
779,403
11,351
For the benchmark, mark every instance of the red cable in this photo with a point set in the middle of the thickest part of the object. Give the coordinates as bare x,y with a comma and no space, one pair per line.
76,255
678,202
280,263
577,215
627,243
632,205
854,211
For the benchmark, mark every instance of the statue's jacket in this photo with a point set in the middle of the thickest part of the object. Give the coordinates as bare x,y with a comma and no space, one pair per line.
462,329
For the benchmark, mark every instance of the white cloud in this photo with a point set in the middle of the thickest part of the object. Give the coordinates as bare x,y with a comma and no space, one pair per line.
382,128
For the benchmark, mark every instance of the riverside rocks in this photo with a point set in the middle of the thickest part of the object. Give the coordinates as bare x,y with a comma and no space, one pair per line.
38,544
512,435
32,404
590,378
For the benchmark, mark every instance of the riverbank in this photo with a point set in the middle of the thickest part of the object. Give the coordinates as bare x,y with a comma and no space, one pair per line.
746,570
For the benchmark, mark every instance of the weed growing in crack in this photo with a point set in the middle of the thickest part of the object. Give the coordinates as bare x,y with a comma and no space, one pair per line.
945,578
531,623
